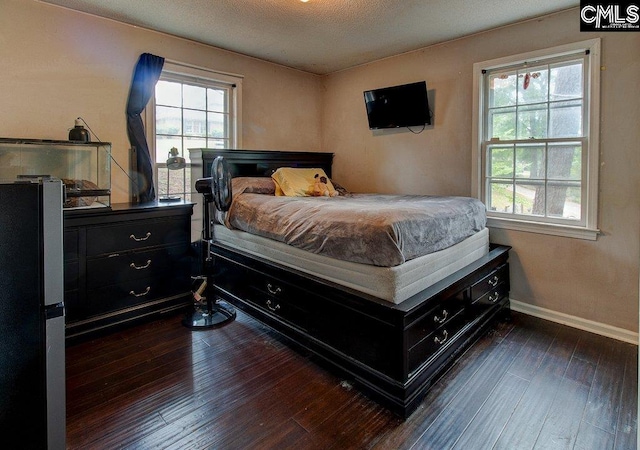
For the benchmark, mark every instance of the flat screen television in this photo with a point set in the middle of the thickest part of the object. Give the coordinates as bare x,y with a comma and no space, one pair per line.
406,105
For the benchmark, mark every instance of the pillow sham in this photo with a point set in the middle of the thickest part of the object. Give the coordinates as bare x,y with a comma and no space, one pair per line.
297,182
253,185
249,185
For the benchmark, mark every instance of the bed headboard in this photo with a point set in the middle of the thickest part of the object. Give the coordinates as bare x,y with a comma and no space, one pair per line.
259,163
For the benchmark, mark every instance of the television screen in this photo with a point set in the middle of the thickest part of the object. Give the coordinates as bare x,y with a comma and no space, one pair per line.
398,106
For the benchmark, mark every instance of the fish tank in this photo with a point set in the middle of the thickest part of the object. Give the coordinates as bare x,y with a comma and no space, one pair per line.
83,167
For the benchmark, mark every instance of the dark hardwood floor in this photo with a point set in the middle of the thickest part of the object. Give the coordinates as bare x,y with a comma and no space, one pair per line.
528,384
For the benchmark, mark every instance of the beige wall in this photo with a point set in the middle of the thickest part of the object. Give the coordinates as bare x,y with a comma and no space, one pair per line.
57,64
596,281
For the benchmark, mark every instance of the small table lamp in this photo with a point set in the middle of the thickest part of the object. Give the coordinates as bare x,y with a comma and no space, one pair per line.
174,162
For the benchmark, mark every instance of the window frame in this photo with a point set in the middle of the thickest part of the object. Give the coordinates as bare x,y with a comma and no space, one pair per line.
199,76
587,229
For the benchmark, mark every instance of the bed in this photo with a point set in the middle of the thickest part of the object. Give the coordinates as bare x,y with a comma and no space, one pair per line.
391,326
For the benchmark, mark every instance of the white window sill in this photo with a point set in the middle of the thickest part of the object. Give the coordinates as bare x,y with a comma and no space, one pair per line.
544,228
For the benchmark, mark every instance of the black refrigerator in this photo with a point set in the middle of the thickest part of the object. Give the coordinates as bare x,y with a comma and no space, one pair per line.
32,349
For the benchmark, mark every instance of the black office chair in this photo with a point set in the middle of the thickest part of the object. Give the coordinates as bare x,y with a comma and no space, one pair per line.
209,311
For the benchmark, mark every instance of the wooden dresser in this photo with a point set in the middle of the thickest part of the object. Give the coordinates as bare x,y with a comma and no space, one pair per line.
125,264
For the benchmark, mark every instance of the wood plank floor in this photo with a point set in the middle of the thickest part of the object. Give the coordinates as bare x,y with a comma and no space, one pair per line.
528,384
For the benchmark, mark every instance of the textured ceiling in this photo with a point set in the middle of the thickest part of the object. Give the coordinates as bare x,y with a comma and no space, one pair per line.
319,36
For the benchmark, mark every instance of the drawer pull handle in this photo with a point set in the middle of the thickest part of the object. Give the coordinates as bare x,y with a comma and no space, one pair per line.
133,265
272,290
137,239
443,339
494,298
445,315
272,307
494,281
146,291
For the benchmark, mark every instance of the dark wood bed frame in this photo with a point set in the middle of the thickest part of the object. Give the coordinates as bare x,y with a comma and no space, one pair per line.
394,353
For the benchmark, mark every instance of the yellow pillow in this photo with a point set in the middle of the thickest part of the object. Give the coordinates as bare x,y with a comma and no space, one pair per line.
295,182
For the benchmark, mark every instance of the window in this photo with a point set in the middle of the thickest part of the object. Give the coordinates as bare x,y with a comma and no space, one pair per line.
192,108
536,152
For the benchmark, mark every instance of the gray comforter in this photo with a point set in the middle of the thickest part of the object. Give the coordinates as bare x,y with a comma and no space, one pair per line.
382,230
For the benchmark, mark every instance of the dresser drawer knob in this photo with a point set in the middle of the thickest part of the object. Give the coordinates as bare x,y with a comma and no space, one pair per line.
141,294
494,298
441,340
273,290
273,307
445,316
144,238
494,281
133,265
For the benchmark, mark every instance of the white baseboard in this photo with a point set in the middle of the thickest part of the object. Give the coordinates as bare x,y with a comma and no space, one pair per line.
576,322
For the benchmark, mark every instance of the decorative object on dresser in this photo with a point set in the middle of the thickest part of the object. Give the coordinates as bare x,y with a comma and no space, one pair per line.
174,162
394,351
78,132
125,264
207,312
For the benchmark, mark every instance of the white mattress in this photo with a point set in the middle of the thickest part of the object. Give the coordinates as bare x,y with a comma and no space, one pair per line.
392,284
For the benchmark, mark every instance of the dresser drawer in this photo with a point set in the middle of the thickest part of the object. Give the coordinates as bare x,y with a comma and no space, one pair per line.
116,297
490,282
136,234
122,267
440,315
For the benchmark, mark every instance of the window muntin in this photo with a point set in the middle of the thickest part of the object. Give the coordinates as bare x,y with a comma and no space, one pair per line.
189,113
534,142
542,180
544,101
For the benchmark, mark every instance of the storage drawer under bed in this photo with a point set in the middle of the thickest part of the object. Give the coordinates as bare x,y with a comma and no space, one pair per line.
490,290
490,282
440,315
269,294
434,341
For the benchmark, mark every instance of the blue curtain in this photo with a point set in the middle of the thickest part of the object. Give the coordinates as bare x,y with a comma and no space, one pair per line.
147,73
